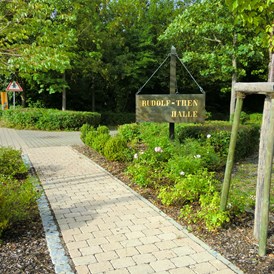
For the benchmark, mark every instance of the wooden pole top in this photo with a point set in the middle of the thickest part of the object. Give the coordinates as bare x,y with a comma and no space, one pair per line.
266,88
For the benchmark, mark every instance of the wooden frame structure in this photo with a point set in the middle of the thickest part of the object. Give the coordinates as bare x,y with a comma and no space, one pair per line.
266,152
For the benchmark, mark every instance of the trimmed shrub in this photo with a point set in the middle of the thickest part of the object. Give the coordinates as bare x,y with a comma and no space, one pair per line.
84,131
102,130
17,201
11,164
129,132
90,135
116,149
49,119
220,132
17,192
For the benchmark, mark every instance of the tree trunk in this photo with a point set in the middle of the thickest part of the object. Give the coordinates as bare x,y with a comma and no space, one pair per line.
93,93
64,95
23,98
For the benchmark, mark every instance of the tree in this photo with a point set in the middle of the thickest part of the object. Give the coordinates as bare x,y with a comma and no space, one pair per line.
36,42
217,48
118,48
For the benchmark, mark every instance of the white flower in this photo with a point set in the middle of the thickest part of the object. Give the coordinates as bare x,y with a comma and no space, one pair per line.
208,136
135,156
182,173
158,149
197,156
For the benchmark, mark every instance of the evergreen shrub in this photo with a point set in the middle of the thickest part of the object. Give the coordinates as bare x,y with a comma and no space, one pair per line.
49,119
116,149
99,142
84,130
220,132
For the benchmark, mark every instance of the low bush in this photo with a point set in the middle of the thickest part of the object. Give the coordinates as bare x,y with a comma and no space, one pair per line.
219,132
17,192
129,132
116,149
49,119
11,164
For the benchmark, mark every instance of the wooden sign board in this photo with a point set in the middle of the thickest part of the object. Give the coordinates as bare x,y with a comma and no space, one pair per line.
172,108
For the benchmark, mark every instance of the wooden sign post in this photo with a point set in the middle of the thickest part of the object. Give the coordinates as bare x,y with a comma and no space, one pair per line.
173,107
172,86
266,152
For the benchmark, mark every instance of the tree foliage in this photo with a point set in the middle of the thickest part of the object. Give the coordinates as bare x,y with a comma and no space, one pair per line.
36,41
108,49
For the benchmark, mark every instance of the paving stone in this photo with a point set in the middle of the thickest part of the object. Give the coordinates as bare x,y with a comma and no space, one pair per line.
90,250
182,270
204,268
183,261
111,246
166,245
84,260
122,262
164,254
147,248
134,235
127,252
183,250
106,256
82,269
144,258
77,245
119,271
202,257
218,264
150,239
162,265
101,267
141,269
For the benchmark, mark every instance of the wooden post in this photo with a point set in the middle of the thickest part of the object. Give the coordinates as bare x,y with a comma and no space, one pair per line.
231,151
261,166
264,216
268,103
172,86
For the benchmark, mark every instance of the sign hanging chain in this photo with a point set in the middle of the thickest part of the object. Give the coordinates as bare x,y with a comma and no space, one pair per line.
192,77
152,75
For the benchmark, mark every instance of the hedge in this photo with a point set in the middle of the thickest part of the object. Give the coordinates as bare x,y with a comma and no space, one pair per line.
48,119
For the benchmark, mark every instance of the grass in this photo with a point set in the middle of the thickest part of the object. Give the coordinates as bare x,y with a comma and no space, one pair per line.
244,179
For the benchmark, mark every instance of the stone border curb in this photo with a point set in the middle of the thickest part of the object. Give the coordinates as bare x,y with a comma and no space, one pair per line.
61,261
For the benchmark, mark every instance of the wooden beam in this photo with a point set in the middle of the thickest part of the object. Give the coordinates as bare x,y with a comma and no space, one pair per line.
231,151
255,88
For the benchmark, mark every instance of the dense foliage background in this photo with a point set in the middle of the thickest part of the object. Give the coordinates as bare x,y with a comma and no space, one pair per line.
101,52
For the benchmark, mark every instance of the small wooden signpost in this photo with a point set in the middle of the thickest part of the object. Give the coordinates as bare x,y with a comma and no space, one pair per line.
263,195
